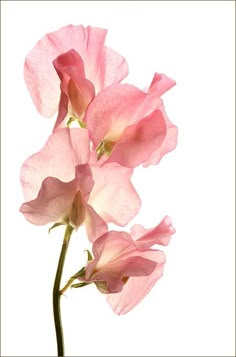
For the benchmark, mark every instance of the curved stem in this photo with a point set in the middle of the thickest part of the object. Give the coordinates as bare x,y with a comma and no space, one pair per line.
57,294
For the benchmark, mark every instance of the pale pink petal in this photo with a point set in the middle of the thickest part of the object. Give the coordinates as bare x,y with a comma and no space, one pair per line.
94,224
40,75
64,150
53,203
70,69
70,64
85,180
111,111
107,248
161,84
113,196
116,258
113,274
62,112
80,93
103,66
139,141
112,70
78,210
169,143
146,238
111,245
137,288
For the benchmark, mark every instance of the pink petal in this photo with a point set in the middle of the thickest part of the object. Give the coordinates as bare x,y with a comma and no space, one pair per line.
62,112
111,245
108,248
161,84
114,273
77,211
41,78
116,259
113,68
52,204
139,141
80,93
70,68
112,110
112,182
63,151
137,288
69,64
94,224
169,143
146,238
85,180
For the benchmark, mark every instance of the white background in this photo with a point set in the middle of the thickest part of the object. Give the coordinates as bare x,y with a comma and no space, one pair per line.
190,311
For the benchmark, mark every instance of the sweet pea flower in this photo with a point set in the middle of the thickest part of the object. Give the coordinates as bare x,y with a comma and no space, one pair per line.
83,67
130,126
66,203
126,269
55,193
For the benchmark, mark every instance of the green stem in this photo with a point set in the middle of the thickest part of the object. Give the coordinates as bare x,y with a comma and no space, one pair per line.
57,294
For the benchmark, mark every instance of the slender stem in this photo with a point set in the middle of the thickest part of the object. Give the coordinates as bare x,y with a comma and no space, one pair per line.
57,294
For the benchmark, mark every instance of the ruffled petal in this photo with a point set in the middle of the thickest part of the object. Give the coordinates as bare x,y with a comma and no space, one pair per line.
136,288
114,69
111,245
112,111
146,238
161,84
115,274
64,150
85,180
40,75
53,203
139,141
169,143
80,91
94,224
117,259
69,65
112,182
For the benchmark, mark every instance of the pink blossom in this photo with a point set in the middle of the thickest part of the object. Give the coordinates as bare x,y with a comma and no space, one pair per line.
52,188
130,126
93,67
66,202
126,269
64,150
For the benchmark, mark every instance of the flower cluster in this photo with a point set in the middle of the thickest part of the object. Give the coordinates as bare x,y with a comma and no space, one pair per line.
82,175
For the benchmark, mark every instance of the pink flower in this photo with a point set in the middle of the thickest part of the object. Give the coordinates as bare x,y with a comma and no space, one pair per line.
84,64
55,193
126,269
67,203
130,126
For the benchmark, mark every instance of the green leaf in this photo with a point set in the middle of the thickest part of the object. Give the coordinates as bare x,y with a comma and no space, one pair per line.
90,257
56,225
